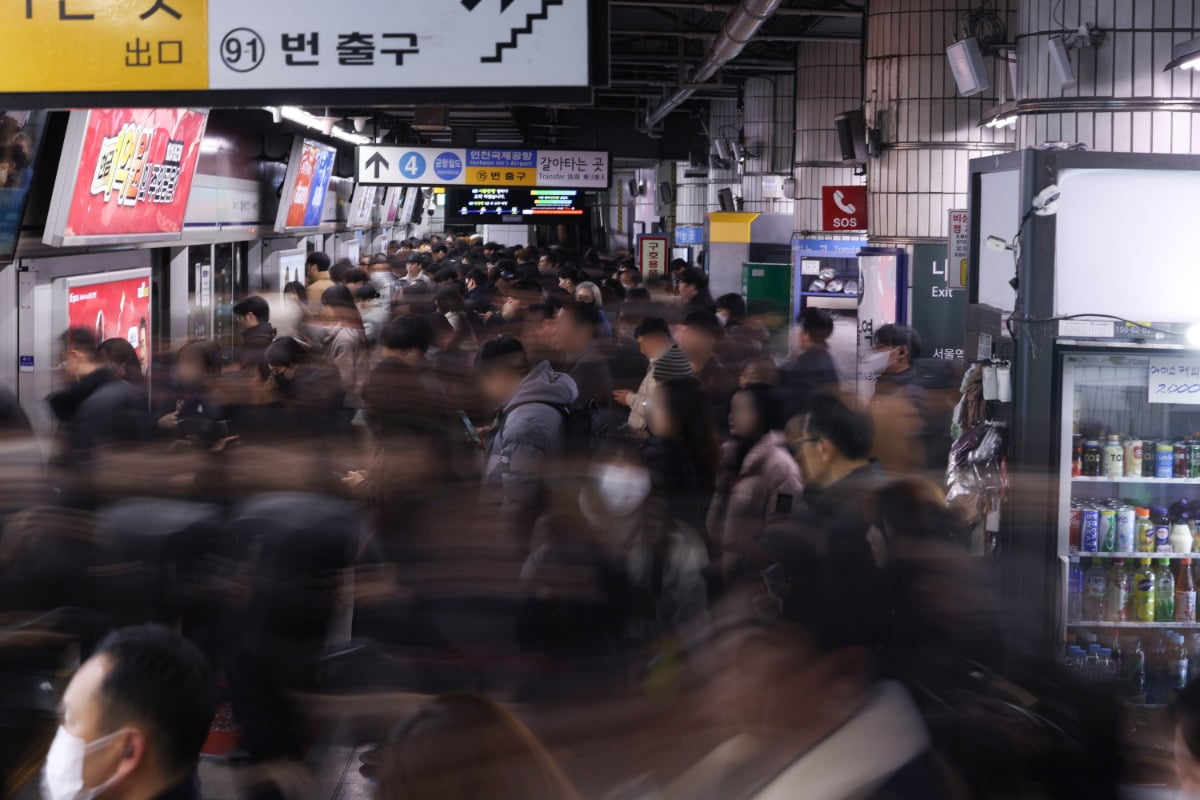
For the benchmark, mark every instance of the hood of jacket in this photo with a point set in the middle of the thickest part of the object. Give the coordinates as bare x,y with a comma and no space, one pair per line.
545,385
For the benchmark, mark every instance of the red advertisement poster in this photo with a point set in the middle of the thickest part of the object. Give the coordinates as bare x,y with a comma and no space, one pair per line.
135,171
117,309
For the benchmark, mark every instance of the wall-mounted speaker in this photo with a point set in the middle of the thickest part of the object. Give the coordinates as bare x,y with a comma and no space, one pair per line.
1060,63
966,62
852,136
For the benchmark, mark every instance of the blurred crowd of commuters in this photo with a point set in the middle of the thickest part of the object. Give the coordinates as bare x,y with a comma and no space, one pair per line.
629,545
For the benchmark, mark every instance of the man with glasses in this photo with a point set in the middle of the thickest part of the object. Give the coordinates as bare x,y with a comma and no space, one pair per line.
832,445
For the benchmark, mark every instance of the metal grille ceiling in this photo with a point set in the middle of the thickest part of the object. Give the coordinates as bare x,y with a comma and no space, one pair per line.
653,45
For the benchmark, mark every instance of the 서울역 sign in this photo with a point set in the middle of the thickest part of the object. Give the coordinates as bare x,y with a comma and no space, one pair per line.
480,166
77,47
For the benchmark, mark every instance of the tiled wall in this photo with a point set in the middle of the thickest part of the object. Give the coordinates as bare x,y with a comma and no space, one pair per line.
1126,68
828,82
929,132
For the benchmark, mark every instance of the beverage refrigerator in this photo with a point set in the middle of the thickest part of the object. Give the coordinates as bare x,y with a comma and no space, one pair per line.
1128,477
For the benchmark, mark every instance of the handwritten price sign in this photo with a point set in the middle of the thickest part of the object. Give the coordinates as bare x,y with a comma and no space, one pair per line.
1175,380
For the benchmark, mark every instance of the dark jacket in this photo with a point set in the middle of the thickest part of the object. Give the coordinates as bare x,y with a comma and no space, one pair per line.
255,341
679,481
592,377
101,409
804,375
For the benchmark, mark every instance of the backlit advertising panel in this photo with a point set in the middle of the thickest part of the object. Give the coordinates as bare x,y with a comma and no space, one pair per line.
20,140
125,176
304,187
114,305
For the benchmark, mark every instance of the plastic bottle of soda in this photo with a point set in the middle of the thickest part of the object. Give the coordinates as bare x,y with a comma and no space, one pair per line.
1095,587
1143,592
1185,593
1116,596
1177,666
1075,584
1164,587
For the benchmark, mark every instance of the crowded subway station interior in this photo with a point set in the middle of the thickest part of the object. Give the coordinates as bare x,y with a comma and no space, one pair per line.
614,399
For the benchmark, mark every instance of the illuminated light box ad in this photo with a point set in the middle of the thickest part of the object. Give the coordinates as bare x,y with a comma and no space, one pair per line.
20,140
302,201
115,306
125,176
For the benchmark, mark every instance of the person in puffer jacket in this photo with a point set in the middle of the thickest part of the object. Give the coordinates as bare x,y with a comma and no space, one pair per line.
529,433
759,488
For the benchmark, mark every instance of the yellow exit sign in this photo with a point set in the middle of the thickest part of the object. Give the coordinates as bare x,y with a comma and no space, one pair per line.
104,45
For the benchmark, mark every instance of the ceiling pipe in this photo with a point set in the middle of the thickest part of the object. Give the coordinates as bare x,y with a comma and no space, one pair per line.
847,13
740,27
791,39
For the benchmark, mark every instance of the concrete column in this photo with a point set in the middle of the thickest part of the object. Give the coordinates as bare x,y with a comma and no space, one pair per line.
828,82
929,131
1122,101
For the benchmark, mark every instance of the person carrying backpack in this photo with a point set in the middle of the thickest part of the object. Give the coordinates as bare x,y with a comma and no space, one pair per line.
530,433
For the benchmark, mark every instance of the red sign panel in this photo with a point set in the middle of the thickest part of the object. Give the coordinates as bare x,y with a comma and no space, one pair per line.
844,208
652,254
117,309
135,171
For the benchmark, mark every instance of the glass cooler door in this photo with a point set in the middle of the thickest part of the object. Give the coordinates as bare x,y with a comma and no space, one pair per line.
1129,500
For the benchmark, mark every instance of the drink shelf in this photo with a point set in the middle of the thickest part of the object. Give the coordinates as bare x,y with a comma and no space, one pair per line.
1135,556
1164,481
1182,626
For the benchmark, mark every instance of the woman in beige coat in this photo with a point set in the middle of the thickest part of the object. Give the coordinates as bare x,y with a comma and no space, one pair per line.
759,487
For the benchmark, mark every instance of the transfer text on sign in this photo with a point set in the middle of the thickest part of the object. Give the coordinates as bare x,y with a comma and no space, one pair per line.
477,166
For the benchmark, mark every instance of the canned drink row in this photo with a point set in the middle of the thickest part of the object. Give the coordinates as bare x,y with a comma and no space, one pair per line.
1115,527
1116,456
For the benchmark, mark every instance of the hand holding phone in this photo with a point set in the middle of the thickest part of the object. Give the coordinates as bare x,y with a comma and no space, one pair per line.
472,431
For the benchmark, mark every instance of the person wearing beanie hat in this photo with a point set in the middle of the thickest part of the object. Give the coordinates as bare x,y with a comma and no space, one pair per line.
653,337
672,364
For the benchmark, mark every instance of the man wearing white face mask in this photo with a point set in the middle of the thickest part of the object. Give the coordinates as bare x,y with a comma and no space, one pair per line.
899,407
133,720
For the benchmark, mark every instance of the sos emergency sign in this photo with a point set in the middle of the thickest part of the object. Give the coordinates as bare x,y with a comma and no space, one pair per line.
844,208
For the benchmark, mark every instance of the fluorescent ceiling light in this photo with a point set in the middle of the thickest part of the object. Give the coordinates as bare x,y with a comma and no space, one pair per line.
1185,55
323,124
1000,116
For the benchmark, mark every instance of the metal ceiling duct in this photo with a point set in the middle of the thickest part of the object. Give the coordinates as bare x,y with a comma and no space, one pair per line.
739,28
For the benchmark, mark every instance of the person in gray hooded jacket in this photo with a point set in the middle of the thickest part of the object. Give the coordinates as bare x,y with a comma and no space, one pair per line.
529,430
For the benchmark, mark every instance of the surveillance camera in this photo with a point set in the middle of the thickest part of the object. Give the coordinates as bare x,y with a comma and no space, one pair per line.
1046,202
997,244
